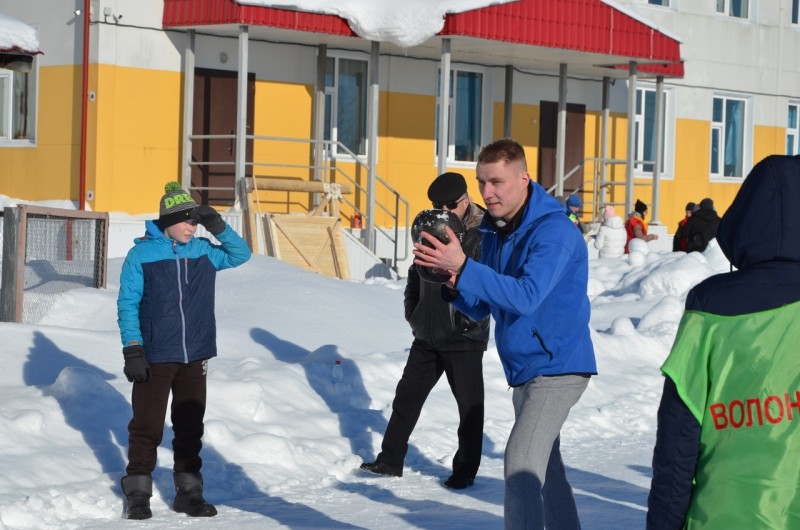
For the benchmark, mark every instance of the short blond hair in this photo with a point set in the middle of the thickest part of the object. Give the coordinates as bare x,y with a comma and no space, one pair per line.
503,150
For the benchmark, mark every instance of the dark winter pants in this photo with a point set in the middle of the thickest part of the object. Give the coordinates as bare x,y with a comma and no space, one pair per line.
537,494
423,369
187,382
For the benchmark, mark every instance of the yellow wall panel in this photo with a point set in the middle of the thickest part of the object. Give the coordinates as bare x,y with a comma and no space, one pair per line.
49,169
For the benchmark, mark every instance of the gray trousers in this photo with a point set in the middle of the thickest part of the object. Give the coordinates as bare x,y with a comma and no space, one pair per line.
537,494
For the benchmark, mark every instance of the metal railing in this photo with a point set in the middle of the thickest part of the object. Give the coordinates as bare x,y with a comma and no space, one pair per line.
329,169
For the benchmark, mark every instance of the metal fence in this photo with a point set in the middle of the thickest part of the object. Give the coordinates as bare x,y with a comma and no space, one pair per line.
47,251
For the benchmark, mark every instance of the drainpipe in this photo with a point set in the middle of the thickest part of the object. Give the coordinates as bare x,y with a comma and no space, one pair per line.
84,105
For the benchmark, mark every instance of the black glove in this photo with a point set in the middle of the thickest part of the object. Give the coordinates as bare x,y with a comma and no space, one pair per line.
210,219
136,367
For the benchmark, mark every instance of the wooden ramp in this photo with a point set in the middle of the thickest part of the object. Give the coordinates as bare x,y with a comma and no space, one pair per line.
314,243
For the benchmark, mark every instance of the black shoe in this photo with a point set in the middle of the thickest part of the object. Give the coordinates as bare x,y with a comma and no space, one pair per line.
379,468
193,506
458,483
139,507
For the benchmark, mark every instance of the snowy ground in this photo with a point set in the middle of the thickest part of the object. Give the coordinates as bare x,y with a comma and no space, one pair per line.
283,444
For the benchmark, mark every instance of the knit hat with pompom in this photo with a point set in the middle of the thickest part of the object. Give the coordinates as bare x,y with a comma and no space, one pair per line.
176,206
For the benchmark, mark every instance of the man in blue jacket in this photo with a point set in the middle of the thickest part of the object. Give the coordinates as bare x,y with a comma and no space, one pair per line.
532,278
166,319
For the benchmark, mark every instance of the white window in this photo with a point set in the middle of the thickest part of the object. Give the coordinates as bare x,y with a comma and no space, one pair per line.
793,130
17,107
466,115
645,132
728,134
346,83
734,8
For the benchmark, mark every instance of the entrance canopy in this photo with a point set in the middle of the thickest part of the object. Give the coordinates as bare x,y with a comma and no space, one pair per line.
595,38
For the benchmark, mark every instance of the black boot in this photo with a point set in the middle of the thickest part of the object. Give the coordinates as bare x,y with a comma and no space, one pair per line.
138,489
189,496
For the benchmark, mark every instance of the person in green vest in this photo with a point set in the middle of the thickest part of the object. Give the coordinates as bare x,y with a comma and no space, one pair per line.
727,453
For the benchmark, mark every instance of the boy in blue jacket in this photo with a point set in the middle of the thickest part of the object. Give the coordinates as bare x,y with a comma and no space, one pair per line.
166,319
532,277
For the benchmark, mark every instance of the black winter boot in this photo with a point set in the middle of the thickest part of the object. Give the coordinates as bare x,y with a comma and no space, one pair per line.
138,489
189,496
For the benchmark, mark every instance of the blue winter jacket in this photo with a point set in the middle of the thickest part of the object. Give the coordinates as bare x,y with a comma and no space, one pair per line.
166,293
533,282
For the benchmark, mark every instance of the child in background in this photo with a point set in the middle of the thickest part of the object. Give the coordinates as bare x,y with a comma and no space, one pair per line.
166,319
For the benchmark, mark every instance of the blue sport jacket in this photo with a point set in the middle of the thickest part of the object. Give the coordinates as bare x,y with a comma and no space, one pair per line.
533,281
166,293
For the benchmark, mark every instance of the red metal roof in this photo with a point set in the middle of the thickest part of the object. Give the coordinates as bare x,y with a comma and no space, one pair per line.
578,25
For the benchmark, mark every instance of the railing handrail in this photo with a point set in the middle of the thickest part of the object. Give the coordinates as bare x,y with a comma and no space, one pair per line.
326,166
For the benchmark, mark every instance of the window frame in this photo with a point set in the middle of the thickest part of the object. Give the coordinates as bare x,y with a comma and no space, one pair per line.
668,134
7,114
485,117
793,132
332,104
719,128
725,7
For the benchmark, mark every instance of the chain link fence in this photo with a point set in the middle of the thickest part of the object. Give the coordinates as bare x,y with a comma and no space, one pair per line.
47,251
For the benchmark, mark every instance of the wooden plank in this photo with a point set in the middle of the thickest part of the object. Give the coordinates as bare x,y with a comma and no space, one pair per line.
311,242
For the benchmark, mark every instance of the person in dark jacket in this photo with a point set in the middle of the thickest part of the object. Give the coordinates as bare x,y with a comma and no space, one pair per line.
445,341
532,278
702,227
166,319
680,241
727,440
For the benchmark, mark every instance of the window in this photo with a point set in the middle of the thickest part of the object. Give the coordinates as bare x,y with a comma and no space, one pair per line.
346,103
465,115
727,137
645,132
17,107
795,11
793,130
664,3
734,8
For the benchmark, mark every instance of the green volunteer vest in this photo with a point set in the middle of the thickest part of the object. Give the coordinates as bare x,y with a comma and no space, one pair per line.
740,377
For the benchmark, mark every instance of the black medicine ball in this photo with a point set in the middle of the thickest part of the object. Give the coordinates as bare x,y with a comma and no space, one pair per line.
433,222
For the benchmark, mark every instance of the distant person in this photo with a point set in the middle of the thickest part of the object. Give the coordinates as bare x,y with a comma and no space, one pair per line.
532,278
636,226
702,227
573,204
611,238
445,341
166,319
727,445
680,240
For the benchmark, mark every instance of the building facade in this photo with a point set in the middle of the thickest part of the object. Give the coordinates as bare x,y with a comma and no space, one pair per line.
733,101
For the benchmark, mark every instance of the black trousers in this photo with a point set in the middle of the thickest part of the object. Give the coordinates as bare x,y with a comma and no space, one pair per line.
187,382
423,369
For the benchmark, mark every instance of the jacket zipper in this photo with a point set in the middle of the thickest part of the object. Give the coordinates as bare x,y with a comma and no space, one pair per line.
180,302
541,342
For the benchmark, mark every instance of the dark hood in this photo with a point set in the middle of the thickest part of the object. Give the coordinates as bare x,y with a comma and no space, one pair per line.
763,223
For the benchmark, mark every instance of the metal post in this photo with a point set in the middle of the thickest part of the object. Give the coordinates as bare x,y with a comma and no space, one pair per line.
630,156
604,139
241,111
509,97
444,106
372,135
659,151
188,109
561,132
319,121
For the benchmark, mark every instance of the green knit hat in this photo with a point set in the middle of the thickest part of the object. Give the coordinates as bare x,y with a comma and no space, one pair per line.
176,205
